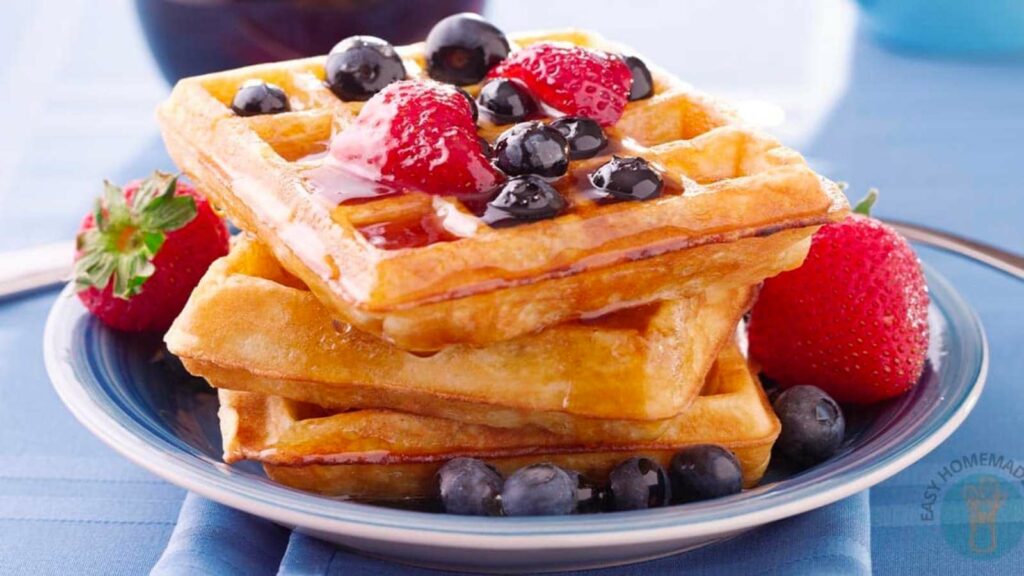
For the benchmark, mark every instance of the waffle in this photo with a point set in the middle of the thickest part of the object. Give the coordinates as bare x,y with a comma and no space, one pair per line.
739,207
380,455
251,326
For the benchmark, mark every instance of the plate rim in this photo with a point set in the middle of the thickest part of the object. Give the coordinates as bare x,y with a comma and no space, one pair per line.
187,471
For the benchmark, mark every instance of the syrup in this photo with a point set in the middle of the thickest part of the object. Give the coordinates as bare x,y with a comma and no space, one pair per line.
410,233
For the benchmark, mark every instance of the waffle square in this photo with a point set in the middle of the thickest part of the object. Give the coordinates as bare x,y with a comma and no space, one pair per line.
382,455
744,209
251,326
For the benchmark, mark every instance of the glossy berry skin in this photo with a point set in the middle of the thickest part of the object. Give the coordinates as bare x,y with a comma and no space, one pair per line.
179,264
585,136
638,484
416,135
506,101
812,425
539,490
472,103
627,179
643,84
524,199
703,472
469,487
360,66
461,49
853,320
532,148
256,97
573,80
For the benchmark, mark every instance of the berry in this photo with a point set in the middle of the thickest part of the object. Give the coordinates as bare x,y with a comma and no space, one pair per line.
469,487
853,320
643,84
360,66
143,249
575,81
472,103
532,148
506,101
420,135
704,471
812,425
627,179
585,137
638,484
485,146
590,498
461,49
524,199
539,490
255,97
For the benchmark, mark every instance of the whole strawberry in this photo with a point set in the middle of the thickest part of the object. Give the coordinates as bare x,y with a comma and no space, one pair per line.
575,81
143,249
417,134
853,320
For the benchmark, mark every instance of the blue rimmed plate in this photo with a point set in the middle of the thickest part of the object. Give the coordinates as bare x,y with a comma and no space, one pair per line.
126,391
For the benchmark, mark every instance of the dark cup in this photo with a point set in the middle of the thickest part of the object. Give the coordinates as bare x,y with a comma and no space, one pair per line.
190,37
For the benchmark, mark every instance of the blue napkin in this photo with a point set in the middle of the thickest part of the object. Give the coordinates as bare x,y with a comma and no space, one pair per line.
214,539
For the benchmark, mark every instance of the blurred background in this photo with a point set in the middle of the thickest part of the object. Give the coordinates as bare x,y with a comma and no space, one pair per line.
921,98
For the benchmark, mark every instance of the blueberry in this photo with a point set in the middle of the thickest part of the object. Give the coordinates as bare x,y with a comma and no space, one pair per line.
812,425
485,146
627,179
539,490
472,103
506,101
524,199
532,148
461,49
469,487
589,496
360,66
643,84
704,471
256,97
638,484
585,136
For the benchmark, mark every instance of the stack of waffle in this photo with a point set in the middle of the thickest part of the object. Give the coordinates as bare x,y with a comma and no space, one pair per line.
355,350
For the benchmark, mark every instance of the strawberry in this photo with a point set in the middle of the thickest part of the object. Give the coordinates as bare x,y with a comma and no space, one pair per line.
143,249
417,134
853,320
574,80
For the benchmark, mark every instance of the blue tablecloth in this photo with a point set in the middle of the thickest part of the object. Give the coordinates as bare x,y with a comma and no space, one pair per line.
941,139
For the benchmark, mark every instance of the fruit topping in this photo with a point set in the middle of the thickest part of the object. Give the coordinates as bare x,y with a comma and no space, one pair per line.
361,66
812,425
704,471
539,490
532,148
416,134
143,249
573,80
255,97
853,320
524,199
643,84
590,497
627,179
638,484
506,101
472,103
461,49
469,487
585,137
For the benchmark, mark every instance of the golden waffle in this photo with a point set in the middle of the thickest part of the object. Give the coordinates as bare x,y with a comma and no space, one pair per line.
376,454
739,207
250,326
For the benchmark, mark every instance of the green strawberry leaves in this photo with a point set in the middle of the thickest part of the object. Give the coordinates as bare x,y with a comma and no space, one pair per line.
128,234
